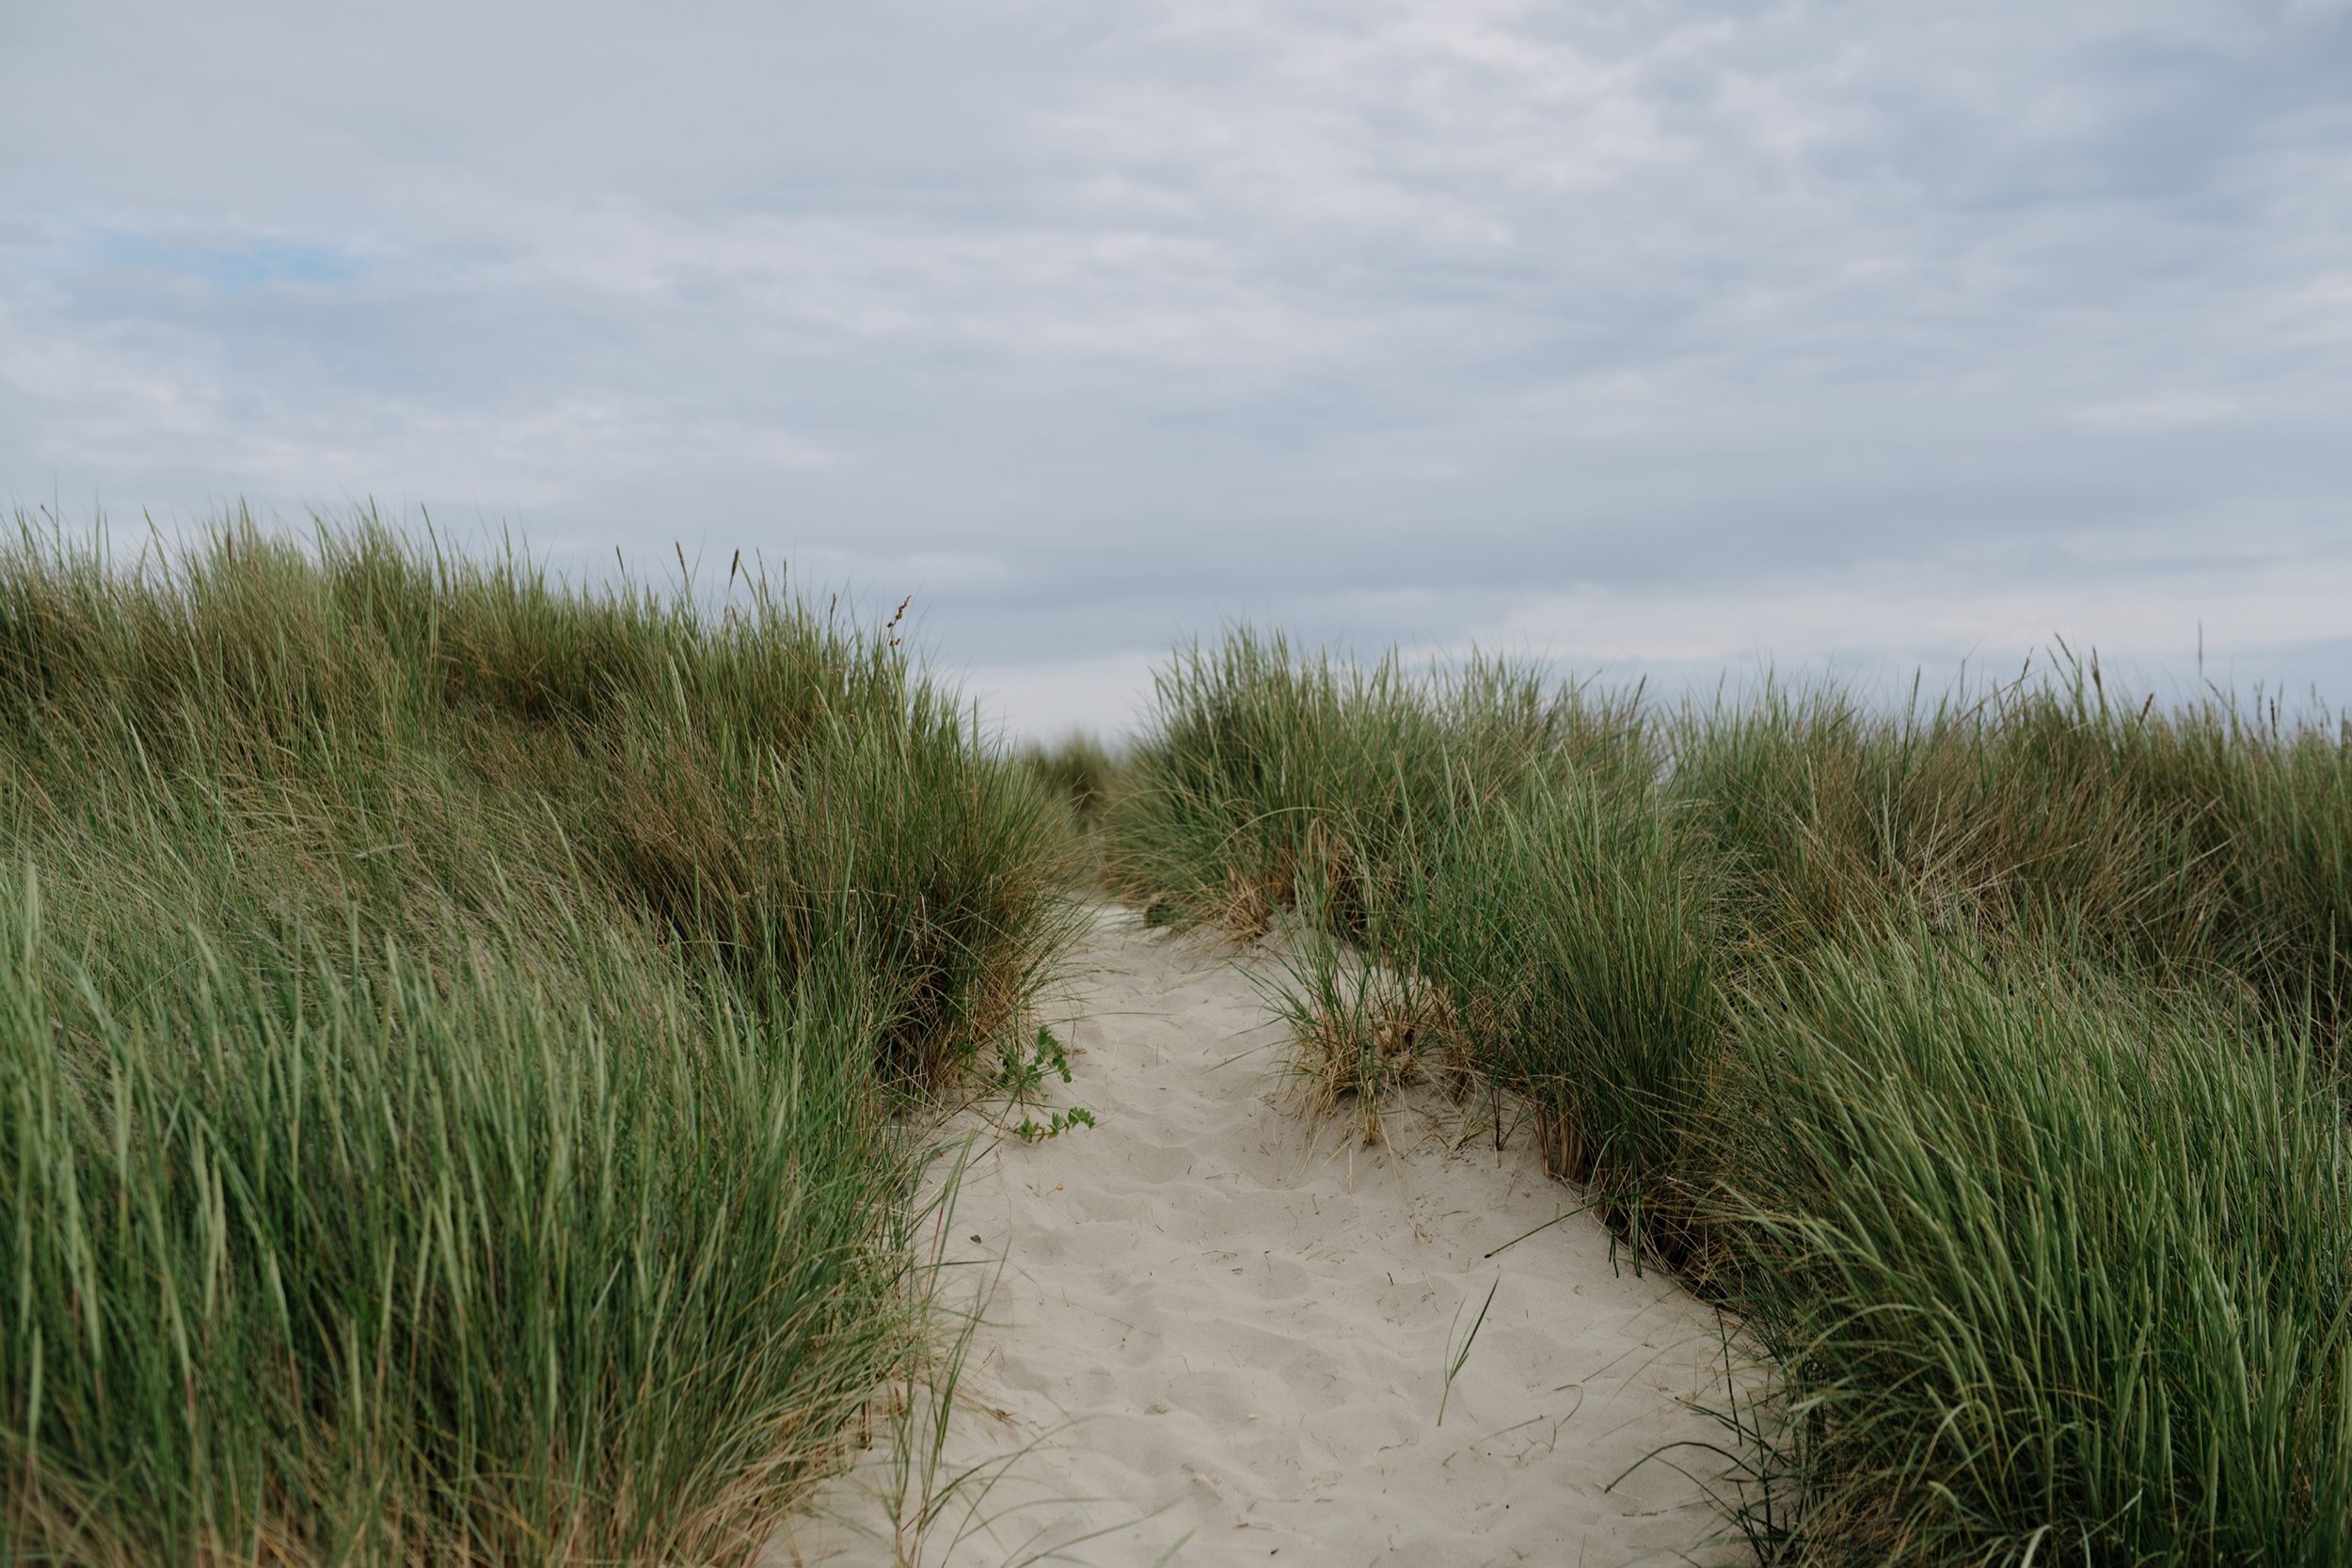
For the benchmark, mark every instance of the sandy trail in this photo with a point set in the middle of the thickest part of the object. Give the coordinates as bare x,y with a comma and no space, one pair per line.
1221,1334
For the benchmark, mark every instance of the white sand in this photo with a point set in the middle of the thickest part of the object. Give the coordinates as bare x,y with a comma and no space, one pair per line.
1221,1332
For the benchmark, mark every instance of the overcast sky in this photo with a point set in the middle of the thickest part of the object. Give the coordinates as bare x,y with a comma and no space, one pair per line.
1643,337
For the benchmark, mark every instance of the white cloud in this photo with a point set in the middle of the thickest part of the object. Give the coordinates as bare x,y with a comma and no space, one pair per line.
1798,621
1105,695
2160,411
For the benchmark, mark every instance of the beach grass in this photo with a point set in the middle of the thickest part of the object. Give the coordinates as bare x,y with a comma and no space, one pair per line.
1080,768
1979,1055
2053,1265
465,1042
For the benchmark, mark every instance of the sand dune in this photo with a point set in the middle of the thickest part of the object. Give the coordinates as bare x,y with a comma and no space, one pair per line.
1220,1334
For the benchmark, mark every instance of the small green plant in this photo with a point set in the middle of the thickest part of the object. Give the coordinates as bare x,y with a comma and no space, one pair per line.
1026,1068
1022,1076
1032,1131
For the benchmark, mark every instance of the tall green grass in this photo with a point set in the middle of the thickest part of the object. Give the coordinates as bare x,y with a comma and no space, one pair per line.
1565,927
2054,1268
1081,772
452,1027
2198,841
1079,768
1980,1053
1266,771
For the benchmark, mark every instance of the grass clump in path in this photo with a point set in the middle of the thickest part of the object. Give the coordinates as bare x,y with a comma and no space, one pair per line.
449,1027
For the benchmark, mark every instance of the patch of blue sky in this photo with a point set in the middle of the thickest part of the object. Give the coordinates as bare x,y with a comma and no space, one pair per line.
256,264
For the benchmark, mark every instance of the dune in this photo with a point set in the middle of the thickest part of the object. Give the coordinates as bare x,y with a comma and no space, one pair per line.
1217,1332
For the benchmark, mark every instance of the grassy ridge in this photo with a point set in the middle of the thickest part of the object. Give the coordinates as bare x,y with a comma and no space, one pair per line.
1982,1055
449,1025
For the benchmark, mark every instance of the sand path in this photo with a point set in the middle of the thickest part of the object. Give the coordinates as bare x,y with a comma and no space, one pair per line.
1220,1334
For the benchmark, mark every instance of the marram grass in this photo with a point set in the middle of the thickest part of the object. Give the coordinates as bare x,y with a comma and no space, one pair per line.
1981,1055
2056,1268
451,1028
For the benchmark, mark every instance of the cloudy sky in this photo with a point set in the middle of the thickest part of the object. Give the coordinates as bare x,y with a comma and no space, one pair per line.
1643,337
